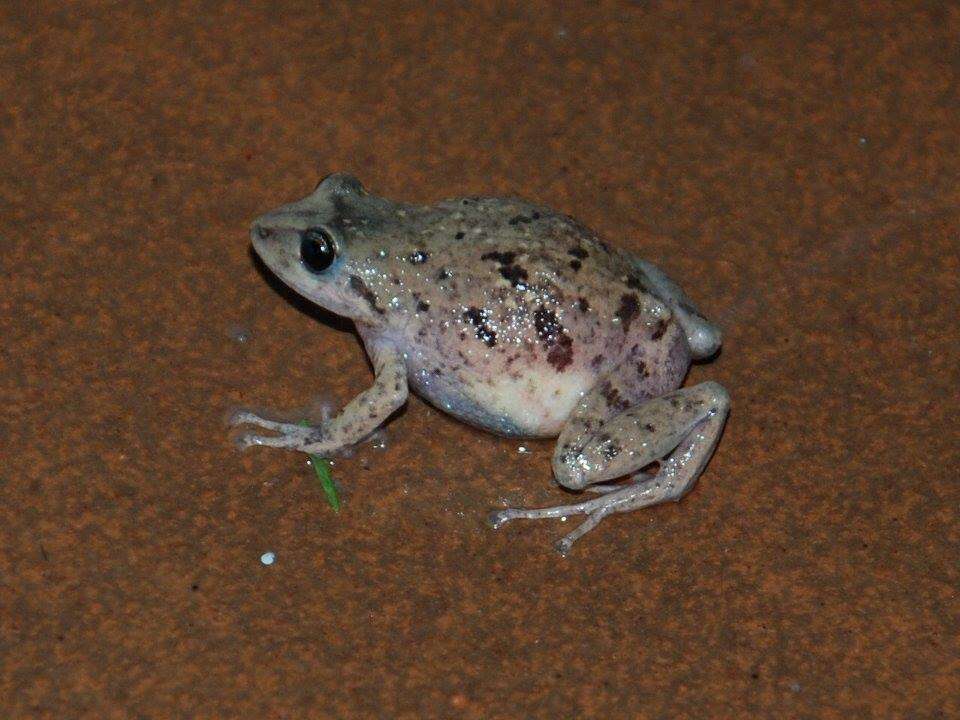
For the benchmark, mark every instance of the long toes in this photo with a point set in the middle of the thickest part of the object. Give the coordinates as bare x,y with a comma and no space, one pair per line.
247,440
278,441
563,545
498,518
241,417
245,417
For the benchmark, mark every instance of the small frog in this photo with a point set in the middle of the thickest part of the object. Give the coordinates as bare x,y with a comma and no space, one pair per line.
515,319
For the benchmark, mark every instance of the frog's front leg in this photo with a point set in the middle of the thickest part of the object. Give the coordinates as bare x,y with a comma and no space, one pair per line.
680,429
364,414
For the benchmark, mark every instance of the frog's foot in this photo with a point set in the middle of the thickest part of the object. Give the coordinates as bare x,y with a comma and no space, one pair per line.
680,429
614,498
288,435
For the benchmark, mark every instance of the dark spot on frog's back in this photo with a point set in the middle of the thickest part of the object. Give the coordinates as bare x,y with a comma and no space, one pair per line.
575,265
478,318
583,305
659,330
578,252
504,258
547,325
514,273
361,289
519,219
628,310
561,354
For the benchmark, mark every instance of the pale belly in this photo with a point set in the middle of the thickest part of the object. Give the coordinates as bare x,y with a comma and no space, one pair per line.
534,404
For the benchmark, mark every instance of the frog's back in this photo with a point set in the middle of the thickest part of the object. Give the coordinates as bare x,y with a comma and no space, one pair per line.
522,310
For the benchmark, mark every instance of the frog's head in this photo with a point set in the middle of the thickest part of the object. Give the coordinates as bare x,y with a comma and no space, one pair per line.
326,246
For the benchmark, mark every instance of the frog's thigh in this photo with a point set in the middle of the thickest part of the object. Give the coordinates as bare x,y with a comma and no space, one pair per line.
687,422
638,435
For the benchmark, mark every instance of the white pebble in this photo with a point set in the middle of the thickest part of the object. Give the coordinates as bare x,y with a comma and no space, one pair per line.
268,557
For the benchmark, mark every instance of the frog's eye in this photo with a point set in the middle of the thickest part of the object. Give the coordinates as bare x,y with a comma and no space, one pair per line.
317,249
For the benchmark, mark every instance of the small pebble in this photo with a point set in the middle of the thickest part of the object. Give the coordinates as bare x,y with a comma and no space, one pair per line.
522,449
268,557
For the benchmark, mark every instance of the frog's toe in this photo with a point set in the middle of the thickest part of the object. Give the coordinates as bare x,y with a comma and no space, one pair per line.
290,436
247,440
498,518
243,417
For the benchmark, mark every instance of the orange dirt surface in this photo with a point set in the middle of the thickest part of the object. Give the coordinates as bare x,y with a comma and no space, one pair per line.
796,166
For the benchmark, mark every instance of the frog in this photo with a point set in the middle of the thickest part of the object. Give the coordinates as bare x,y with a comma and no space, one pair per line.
514,318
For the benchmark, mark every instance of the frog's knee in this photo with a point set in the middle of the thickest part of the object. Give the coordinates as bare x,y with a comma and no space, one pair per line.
568,470
716,395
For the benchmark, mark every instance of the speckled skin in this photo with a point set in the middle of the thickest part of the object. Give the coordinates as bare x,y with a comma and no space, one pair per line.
515,319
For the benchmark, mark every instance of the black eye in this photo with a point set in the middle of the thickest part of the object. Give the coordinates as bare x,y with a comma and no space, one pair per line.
317,249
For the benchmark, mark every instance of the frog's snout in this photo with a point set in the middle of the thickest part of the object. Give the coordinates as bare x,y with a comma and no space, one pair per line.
260,232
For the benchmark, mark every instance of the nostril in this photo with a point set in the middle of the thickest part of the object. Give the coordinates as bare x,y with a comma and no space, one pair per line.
263,232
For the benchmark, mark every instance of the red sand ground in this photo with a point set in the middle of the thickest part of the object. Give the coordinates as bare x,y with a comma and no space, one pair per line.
795,165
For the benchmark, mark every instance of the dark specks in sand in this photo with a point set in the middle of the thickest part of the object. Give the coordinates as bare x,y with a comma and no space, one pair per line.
459,235
575,265
423,306
444,274
628,310
578,252
478,318
418,257
516,219
583,305
361,289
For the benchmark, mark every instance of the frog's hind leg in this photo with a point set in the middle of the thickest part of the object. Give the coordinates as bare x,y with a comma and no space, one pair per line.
680,429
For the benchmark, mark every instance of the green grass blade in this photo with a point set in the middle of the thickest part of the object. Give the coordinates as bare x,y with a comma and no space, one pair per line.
322,467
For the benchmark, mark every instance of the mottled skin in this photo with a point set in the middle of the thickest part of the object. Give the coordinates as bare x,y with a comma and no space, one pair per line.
512,318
